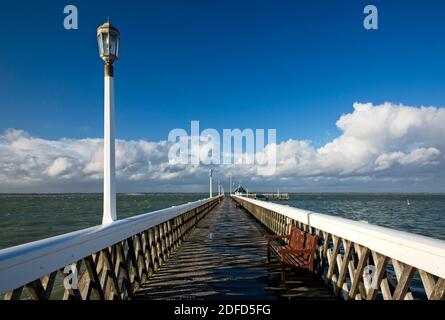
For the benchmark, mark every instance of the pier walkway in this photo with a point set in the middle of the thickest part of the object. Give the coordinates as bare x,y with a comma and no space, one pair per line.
214,248
225,257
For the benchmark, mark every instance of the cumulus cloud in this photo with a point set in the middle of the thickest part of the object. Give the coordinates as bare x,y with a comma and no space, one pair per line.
60,167
421,156
373,138
382,143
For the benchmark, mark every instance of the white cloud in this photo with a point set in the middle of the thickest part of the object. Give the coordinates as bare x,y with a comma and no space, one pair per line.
61,166
421,156
370,134
383,143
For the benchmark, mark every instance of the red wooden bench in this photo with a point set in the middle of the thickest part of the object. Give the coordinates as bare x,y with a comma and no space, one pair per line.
298,253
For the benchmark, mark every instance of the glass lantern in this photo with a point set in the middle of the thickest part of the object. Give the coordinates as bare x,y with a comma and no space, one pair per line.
108,42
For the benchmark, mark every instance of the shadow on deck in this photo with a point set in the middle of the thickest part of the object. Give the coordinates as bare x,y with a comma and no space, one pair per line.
225,257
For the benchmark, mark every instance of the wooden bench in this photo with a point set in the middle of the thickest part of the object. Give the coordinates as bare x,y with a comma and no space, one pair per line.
298,253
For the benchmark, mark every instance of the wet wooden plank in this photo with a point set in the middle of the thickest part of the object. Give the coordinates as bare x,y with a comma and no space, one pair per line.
225,257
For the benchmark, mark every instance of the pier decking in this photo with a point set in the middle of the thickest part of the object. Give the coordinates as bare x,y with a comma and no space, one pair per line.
214,249
225,257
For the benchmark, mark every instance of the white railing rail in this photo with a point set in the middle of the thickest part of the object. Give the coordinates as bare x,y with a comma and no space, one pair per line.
25,263
424,254
419,251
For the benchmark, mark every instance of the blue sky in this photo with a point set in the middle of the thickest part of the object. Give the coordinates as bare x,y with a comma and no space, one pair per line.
291,65
296,66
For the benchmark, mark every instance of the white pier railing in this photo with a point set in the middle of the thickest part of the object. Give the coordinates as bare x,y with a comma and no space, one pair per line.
360,260
109,261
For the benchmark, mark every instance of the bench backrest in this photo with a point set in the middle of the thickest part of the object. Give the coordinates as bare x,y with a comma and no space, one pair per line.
297,237
311,244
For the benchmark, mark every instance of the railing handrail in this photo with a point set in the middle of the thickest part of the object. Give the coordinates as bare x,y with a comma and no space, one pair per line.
419,251
27,262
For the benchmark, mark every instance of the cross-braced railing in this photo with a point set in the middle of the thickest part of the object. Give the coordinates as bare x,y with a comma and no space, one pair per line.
103,262
362,261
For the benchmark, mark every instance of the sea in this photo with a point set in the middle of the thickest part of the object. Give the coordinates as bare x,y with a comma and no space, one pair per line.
30,217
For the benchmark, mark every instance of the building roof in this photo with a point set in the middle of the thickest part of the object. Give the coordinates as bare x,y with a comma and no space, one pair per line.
239,189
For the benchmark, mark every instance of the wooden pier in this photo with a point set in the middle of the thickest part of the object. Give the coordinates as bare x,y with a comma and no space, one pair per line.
225,257
214,248
274,196
266,196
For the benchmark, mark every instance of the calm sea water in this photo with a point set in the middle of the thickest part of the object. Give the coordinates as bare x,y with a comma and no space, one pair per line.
25,218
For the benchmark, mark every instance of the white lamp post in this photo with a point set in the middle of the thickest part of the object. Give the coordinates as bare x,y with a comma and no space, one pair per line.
108,41
210,181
